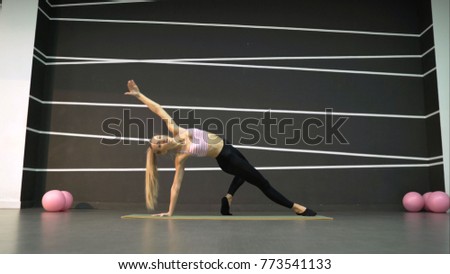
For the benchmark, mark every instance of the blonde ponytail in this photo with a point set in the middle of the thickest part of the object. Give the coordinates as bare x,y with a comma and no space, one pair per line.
151,180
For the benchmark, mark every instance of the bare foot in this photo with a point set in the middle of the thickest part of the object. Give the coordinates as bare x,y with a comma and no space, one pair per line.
298,209
301,210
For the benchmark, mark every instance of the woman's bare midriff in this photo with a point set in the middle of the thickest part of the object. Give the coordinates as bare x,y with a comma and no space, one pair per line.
215,145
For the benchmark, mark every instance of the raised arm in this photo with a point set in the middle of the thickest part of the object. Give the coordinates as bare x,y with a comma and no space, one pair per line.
133,90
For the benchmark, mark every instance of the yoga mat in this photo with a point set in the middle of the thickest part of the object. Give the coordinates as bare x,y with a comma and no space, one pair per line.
228,218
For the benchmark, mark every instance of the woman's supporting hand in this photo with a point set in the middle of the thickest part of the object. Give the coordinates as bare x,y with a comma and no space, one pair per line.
133,89
164,214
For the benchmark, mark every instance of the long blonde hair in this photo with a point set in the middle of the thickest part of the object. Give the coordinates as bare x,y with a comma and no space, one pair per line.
151,180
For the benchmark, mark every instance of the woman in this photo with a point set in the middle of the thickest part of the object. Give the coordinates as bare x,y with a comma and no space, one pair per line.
195,142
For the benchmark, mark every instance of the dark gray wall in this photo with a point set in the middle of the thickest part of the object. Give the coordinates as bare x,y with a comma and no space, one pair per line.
366,175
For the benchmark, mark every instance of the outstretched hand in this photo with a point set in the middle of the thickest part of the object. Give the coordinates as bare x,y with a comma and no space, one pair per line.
133,89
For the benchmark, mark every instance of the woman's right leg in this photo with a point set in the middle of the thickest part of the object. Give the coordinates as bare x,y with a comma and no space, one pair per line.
226,201
234,186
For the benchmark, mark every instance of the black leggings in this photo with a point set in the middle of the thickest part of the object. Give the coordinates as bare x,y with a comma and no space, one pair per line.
233,162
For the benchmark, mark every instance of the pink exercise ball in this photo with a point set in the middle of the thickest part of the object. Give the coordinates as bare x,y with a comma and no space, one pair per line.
413,202
69,200
53,200
425,198
438,202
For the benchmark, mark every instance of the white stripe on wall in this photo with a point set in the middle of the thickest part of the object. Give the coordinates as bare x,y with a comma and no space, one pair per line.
96,3
275,111
207,62
218,169
382,73
227,59
193,24
365,155
72,63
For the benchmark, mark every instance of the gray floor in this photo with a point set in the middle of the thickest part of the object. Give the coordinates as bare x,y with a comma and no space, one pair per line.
103,231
